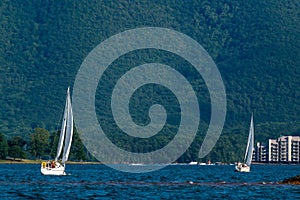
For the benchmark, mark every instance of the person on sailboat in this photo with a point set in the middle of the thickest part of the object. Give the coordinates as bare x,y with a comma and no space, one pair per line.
52,164
241,164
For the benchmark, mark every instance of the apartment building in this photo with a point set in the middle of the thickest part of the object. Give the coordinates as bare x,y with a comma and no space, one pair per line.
260,153
273,150
285,149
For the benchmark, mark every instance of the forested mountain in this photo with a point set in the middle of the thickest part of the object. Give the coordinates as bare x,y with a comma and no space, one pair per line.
255,45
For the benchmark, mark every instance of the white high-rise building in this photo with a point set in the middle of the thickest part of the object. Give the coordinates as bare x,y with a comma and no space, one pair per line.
273,150
284,149
260,153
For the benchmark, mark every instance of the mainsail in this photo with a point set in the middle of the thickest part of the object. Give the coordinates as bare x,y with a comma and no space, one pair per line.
66,132
250,144
69,131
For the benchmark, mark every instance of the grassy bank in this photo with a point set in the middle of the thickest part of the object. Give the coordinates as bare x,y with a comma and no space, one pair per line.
20,161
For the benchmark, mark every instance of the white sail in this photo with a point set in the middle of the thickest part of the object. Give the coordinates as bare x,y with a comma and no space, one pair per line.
250,144
69,130
62,131
65,140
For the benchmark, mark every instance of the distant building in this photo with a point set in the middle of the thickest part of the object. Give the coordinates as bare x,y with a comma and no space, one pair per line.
260,153
273,150
295,150
285,149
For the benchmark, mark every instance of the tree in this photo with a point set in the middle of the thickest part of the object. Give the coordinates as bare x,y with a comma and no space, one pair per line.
39,142
15,147
3,147
54,138
77,148
16,152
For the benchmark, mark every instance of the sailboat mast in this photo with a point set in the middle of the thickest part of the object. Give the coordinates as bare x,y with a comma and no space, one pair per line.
250,143
252,140
69,130
63,129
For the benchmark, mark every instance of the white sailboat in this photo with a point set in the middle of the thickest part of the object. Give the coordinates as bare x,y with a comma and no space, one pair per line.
55,167
245,167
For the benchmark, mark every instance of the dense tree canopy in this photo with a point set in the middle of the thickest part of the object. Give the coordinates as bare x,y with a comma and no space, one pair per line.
255,45
16,147
39,142
3,147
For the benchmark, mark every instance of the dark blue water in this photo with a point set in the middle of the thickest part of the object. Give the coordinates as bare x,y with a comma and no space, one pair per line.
24,181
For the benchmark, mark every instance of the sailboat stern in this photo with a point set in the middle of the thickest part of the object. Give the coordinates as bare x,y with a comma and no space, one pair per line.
242,168
52,168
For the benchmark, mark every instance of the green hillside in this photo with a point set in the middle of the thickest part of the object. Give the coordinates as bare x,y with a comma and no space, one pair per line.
255,44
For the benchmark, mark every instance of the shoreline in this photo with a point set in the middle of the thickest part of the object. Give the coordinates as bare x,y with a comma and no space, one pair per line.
26,161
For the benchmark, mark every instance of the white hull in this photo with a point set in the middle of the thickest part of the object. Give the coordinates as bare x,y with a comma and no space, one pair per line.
240,168
57,170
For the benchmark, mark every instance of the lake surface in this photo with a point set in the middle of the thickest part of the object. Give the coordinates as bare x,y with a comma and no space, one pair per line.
24,181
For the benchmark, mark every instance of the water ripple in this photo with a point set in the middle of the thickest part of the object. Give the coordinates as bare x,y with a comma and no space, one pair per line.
174,182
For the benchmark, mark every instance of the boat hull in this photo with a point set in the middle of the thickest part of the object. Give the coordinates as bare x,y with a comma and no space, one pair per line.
239,168
57,170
